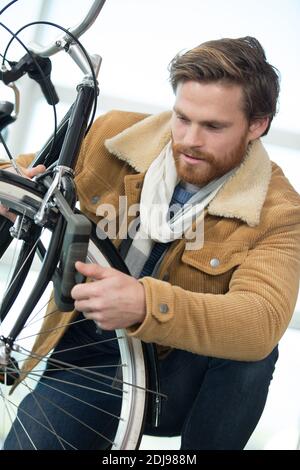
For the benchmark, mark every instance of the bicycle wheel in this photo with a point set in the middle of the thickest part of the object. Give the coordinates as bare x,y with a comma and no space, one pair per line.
68,387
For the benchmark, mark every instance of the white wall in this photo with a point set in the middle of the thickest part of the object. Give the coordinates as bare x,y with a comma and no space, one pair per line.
138,38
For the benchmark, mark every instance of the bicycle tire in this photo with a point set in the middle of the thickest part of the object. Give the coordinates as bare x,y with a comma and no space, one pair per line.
24,198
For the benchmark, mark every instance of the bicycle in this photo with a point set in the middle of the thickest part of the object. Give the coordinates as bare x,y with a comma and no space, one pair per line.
50,234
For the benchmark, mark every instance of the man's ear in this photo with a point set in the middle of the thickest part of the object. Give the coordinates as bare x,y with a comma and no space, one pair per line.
257,128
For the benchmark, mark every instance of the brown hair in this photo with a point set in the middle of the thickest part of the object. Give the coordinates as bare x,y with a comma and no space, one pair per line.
239,61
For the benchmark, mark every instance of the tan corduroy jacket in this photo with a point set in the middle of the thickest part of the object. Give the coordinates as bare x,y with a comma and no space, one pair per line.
234,297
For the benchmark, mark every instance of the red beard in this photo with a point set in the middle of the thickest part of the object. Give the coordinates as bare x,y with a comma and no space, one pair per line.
209,168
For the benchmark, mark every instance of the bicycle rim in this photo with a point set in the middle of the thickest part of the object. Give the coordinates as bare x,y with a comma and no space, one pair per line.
126,381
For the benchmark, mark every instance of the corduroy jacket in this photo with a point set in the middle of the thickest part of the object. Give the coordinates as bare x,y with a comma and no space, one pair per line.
233,297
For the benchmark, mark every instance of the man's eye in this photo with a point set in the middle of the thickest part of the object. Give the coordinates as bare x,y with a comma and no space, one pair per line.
182,118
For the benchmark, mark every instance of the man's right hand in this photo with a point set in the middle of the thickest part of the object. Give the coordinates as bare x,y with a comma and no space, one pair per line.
28,173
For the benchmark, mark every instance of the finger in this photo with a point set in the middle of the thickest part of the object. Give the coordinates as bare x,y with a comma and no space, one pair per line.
94,271
100,324
87,305
8,215
31,172
3,210
88,290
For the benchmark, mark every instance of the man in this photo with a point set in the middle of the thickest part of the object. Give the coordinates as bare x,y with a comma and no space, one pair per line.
216,311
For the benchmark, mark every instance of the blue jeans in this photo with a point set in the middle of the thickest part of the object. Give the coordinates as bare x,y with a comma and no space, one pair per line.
213,403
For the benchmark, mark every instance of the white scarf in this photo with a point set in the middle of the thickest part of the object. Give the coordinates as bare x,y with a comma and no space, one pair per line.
159,184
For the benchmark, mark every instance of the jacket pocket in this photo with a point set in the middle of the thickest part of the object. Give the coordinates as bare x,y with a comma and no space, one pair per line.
210,269
216,258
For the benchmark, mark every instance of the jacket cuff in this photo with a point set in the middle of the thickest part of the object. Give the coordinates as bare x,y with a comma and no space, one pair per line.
159,311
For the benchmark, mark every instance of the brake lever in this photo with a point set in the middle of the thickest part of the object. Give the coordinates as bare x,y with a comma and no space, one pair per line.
33,65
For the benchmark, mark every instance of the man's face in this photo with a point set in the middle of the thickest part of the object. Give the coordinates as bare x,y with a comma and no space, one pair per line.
210,131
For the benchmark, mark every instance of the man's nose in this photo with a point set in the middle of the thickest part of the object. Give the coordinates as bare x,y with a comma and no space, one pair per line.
193,137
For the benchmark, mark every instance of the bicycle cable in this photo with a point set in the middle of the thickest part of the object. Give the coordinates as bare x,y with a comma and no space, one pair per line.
15,36
4,60
76,40
48,23
7,6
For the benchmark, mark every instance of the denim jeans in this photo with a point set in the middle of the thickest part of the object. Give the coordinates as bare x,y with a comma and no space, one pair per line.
212,403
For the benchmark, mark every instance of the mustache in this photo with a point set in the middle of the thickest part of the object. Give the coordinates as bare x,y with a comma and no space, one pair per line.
192,152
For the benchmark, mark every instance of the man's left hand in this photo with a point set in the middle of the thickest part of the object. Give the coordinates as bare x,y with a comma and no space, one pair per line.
114,299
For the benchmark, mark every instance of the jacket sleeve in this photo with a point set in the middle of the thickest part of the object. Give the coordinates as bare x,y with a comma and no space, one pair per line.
244,324
22,160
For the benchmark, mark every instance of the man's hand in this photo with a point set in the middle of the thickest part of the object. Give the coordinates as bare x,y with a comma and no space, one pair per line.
114,299
28,173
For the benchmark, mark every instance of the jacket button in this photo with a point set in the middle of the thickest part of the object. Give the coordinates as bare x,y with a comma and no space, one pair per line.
166,277
139,185
214,262
163,308
95,199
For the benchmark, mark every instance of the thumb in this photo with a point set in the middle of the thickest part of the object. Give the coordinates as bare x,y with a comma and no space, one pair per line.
94,271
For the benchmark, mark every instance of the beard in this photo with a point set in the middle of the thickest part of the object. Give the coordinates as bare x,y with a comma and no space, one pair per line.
210,167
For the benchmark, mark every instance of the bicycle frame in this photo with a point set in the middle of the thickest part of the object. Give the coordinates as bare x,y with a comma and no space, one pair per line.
64,170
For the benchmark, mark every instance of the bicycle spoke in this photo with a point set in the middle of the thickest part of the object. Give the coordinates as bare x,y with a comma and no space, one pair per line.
5,400
79,386
116,338
97,374
31,320
105,366
44,414
90,405
44,332
24,262
75,348
55,405
74,371
41,424
12,421
92,379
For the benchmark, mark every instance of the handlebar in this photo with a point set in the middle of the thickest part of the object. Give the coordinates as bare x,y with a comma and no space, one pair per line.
37,63
76,31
